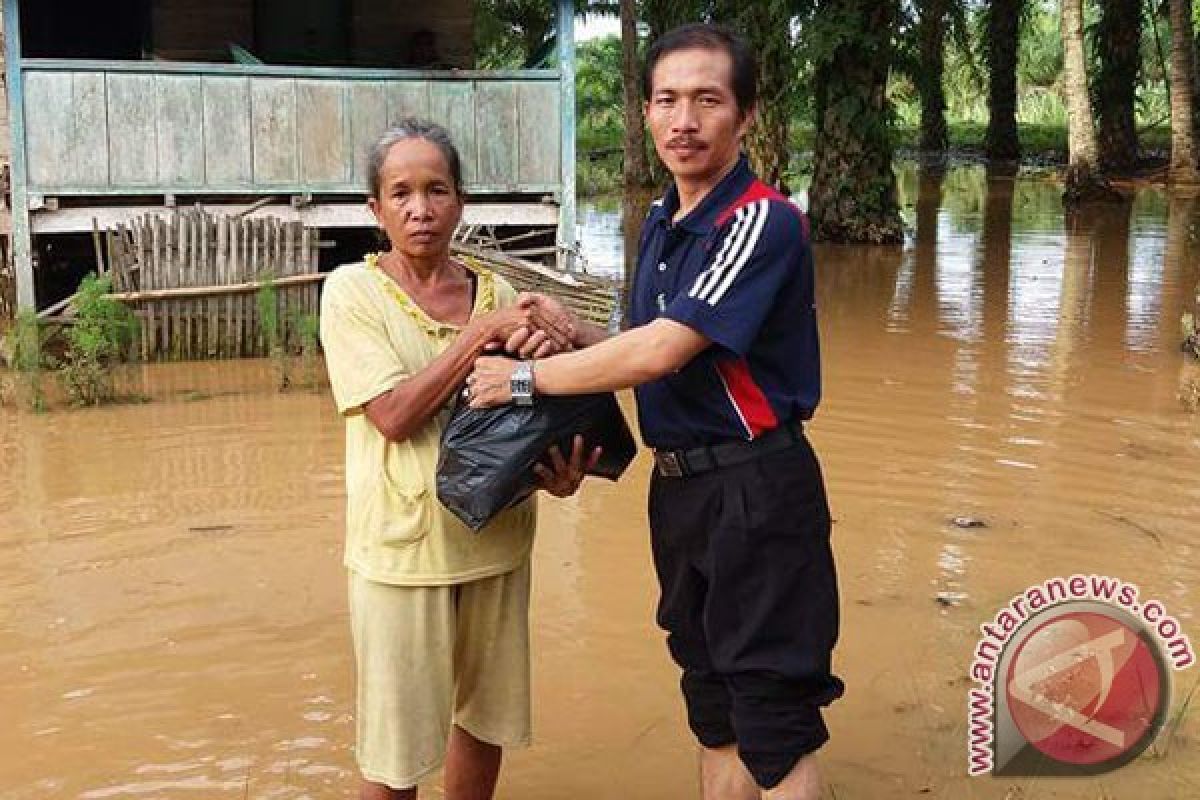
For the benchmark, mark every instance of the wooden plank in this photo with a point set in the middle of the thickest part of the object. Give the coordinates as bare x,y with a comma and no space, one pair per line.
132,130
205,278
176,251
49,146
219,279
247,270
322,129
368,120
186,259
273,130
320,215
407,99
228,158
283,71
496,121
537,133
21,241
143,236
452,104
288,269
180,109
231,230
152,280
89,135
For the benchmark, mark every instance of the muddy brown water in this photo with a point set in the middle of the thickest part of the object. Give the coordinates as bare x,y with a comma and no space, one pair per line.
172,606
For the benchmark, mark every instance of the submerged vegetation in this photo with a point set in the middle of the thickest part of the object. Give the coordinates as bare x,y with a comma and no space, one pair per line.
26,356
291,342
97,340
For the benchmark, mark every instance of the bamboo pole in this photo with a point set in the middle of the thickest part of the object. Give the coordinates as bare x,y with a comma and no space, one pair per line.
187,292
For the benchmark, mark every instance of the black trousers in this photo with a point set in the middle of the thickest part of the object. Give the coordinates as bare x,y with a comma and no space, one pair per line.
750,604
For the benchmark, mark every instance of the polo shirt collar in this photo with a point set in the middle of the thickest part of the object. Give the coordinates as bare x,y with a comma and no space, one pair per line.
703,218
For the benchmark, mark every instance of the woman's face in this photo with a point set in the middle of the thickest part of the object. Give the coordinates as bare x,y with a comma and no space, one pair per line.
418,206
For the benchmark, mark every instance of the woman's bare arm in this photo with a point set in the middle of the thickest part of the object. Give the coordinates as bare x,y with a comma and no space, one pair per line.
411,403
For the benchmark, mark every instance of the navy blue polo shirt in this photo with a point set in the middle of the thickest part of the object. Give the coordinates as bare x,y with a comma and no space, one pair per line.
738,269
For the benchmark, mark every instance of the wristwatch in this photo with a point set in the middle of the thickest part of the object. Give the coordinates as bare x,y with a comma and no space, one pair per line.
521,384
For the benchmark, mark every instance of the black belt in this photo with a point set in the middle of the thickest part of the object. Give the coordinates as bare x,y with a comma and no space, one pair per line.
682,463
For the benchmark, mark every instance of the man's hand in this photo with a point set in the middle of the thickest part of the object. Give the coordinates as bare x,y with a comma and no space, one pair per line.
506,324
566,476
490,385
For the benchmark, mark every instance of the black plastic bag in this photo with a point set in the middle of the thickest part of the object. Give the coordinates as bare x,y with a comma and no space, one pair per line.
487,456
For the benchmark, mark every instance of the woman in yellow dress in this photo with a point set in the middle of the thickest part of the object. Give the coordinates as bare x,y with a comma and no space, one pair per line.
439,614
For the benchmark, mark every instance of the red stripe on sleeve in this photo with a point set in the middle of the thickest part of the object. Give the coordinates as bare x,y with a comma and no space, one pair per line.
757,191
748,399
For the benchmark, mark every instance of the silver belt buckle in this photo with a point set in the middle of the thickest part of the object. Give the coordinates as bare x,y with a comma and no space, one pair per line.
668,463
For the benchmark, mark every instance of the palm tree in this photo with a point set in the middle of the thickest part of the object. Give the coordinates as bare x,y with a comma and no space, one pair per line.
1183,132
637,168
767,25
931,35
853,194
1118,40
1000,51
661,16
1083,179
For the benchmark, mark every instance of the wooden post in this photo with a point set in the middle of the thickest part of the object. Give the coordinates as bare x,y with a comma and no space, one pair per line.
566,72
22,238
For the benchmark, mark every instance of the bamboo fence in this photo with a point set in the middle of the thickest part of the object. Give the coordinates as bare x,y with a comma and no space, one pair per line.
191,278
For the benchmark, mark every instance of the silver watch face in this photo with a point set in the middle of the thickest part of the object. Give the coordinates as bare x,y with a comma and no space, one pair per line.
521,383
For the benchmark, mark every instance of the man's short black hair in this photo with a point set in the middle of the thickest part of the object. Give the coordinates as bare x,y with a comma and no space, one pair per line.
703,36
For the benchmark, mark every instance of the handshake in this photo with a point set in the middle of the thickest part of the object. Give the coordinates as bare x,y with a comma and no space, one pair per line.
536,326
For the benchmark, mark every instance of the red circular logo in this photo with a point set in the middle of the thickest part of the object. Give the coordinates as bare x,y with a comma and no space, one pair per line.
1086,688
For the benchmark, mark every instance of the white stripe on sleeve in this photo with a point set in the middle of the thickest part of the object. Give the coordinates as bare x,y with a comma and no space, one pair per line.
705,277
736,241
744,256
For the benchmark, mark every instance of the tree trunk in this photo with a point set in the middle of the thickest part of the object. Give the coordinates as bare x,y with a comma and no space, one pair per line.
853,194
1083,179
1183,138
1004,17
766,24
636,167
931,31
1118,40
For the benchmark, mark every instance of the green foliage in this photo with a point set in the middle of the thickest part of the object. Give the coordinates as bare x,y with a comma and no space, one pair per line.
511,34
598,87
28,359
266,301
97,339
305,330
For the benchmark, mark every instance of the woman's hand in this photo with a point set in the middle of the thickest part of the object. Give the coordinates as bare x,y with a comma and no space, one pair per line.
518,329
563,478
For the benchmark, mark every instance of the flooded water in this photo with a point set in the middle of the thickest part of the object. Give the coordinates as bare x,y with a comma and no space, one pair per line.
172,607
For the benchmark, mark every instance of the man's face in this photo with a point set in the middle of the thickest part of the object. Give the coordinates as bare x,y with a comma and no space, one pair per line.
693,115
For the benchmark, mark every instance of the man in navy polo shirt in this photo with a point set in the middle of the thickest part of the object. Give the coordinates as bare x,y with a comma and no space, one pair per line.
723,352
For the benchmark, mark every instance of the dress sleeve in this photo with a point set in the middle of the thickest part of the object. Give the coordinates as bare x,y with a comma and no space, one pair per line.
361,359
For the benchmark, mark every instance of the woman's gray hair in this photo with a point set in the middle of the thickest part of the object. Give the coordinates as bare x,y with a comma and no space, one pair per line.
412,128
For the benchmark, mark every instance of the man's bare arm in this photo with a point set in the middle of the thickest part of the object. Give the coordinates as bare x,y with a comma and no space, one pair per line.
628,359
